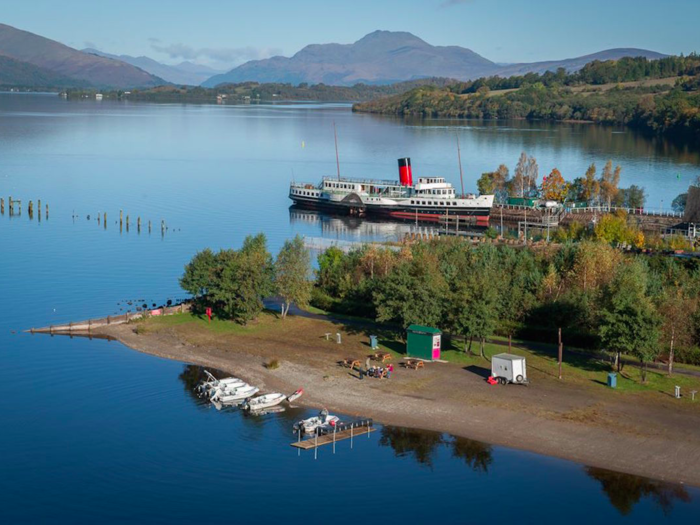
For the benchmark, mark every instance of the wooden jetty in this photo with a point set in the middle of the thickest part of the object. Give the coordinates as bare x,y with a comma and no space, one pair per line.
331,438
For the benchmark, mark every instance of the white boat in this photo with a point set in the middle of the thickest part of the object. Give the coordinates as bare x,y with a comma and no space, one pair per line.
226,389
309,426
236,395
262,402
296,395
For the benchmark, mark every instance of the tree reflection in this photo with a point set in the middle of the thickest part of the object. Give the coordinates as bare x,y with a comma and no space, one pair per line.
421,444
625,490
475,454
192,375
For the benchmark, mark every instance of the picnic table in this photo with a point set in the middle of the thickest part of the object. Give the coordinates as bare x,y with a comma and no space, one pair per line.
382,356
351,363
415,364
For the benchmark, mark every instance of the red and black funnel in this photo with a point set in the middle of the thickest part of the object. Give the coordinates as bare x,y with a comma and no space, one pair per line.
405,175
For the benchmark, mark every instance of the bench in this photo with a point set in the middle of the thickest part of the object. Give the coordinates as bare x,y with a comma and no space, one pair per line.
351,363
415,364
382,356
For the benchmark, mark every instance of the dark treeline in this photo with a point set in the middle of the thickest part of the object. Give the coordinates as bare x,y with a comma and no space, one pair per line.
253,91
672,110
595,73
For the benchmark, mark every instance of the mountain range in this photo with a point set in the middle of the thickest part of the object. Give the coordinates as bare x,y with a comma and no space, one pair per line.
381,57
184,73
385,57
53,58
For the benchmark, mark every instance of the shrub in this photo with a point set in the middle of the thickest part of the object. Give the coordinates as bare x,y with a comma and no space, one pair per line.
272,364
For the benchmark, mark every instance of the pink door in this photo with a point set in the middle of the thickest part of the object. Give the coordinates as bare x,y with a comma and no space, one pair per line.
436,347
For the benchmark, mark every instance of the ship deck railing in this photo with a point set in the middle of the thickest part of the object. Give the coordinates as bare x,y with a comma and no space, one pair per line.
374,182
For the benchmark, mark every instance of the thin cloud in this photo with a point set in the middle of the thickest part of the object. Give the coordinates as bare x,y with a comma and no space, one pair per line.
452,3
232,55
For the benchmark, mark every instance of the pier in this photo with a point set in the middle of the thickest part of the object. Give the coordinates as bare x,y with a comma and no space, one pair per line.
332,438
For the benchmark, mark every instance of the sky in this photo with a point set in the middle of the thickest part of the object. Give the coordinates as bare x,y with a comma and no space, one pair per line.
226,33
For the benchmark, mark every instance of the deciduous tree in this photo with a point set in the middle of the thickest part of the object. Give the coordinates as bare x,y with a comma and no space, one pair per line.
292,269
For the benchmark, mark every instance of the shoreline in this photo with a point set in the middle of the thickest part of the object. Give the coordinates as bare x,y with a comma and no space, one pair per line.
625,437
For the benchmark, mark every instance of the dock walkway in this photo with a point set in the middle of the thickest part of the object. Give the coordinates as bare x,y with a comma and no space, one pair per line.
329,439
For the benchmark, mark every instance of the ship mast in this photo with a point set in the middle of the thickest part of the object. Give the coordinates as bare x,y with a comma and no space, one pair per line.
337,159
459,158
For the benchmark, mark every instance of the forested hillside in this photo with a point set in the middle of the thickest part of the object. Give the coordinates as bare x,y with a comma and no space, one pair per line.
658,96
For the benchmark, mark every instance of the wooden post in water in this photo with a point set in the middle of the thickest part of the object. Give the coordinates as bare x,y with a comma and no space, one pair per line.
105,220
30,210
149,226
9,204
138,224
2,206
38,208
127,223
47,211
162,227
561,351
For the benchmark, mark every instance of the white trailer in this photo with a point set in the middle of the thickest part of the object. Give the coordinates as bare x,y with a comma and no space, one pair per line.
509,368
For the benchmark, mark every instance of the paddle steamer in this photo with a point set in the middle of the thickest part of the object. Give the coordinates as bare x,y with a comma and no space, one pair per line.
430,199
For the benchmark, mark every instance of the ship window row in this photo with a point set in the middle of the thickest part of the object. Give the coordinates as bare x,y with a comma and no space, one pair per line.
434,203
308,193
340,185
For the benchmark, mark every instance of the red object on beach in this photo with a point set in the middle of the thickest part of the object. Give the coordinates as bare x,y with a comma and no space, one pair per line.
209,314
492,381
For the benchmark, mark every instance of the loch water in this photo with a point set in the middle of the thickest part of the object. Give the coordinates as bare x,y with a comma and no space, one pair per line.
93,432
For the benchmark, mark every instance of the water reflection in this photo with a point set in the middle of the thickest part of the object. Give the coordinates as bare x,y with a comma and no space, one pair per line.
477,455
422,445
626,490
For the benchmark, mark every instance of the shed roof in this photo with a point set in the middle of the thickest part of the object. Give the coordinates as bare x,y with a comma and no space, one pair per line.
509,357
416,328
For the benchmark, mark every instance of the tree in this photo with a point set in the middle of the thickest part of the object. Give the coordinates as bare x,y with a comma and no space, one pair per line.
199,274
678,203
629,322
242,279
609,181
292,274
524,182
591,186
633,197
411,294
554,187
495,182
518,184
678,310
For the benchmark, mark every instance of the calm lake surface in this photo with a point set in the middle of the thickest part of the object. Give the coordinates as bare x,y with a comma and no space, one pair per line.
93,432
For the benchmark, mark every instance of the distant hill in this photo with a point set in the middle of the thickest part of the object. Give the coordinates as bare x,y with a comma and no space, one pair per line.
185,73
14,73
382,57
574,64
68,62
386,57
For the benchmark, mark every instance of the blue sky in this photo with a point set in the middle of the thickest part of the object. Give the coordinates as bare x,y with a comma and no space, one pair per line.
224,33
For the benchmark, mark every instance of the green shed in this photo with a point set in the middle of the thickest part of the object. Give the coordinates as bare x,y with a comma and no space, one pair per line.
423,342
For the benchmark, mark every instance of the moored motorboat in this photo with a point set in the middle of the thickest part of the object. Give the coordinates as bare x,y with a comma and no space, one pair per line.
238,394
312,424
262,402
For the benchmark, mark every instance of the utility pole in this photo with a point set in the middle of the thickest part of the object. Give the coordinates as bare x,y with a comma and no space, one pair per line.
561,352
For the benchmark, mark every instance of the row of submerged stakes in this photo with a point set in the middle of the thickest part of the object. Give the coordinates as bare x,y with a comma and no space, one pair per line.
14,208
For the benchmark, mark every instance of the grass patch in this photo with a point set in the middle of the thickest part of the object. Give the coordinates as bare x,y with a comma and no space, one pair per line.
272,364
